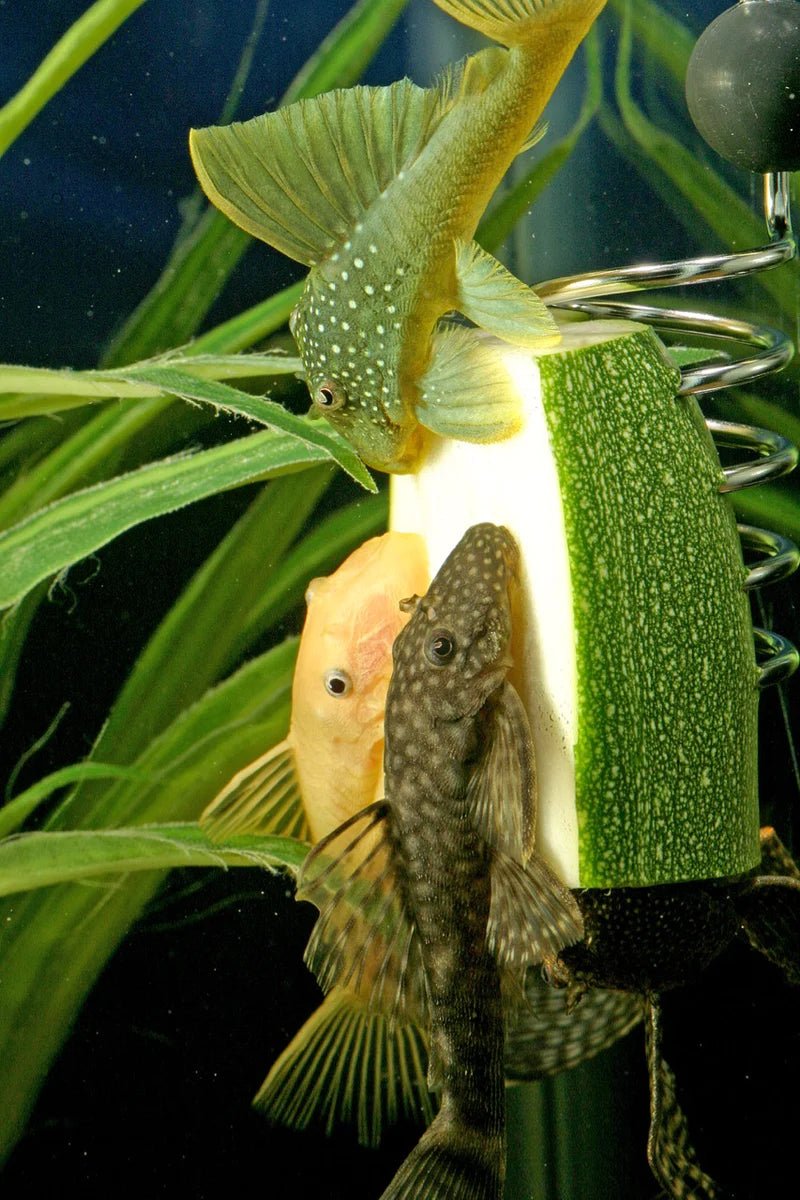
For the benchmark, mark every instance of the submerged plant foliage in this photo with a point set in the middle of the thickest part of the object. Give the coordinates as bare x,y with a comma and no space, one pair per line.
87,455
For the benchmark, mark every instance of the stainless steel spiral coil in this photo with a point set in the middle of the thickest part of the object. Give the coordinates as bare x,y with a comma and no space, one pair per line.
774,454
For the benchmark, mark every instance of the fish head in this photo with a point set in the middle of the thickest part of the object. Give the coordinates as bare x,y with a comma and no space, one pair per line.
345,658
351,359
458,640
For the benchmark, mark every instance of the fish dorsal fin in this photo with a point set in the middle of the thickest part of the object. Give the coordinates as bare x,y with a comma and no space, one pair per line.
468,391
349,1066
550,1035
363,939
263,798
499,302
502,789
302,177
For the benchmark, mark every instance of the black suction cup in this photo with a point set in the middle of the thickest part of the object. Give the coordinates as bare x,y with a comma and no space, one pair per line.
743,85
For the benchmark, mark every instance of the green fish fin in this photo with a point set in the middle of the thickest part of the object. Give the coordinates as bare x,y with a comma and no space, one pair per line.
301,178
468,391
534,137
550,1035
519,22
532,916
502,790
364,939
349,1066
500,303
262,799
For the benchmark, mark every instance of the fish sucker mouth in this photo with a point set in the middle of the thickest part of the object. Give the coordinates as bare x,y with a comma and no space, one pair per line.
386,447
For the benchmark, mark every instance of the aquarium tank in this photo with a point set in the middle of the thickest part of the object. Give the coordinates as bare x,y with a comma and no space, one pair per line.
163,510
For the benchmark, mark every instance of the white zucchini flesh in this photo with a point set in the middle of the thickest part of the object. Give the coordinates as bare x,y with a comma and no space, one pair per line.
634,654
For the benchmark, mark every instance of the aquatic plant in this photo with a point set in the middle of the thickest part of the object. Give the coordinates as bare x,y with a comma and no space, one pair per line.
192,709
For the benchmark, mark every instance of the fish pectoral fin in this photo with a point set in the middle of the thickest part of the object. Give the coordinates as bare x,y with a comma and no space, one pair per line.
349,1066
548,1036
302,177
468,391
502,788
262,799
499,302
532,916
363,939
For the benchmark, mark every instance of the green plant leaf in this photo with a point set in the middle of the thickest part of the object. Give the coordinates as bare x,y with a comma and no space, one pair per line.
15,812
317,434
668,40
40,390
193,645
59,536
252,325
56,940
35,860
70,52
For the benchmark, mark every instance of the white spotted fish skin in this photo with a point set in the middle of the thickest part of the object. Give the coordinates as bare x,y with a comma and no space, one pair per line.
379,191
443,713
357,326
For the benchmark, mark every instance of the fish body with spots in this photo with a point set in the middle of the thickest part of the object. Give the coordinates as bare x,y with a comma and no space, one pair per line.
436,891
379,191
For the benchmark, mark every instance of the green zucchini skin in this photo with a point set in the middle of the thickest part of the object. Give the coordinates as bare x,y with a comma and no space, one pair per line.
667,692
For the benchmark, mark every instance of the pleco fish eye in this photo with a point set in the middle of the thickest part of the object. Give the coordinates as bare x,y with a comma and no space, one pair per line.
440,648
337,682
330,396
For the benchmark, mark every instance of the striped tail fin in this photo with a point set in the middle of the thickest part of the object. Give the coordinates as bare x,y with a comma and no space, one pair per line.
349,1065
451,1162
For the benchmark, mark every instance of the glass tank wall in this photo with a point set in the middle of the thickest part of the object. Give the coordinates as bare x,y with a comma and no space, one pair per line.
139,1013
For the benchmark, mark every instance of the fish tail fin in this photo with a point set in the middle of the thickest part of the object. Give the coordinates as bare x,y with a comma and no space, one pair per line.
349,1065
454,1161
520,22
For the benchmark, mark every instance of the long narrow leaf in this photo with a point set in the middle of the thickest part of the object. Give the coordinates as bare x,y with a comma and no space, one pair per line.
39,390
317,434
194,644
35,860
61,535
55,941
70,52
14,813
664,37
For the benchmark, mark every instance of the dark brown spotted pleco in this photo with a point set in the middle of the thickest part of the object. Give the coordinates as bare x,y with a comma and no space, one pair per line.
447,665
432,902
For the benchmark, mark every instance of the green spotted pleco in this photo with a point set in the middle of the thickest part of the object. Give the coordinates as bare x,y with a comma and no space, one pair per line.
379,191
